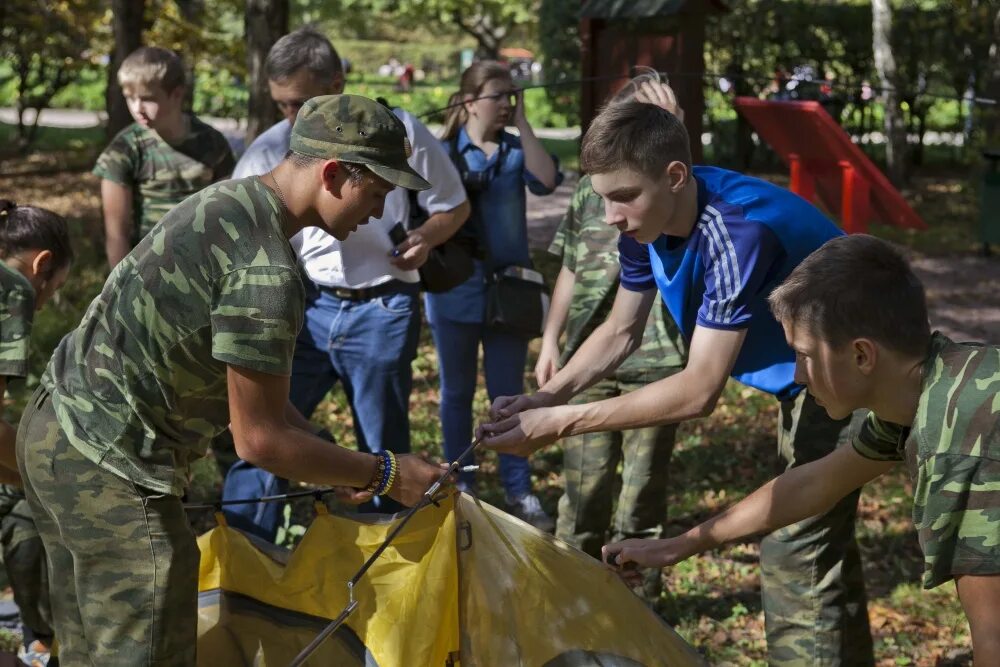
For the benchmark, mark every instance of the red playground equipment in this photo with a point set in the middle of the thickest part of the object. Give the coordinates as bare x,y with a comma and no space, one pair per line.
823,159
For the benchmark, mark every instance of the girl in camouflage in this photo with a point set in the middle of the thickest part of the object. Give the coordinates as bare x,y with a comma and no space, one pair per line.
35,256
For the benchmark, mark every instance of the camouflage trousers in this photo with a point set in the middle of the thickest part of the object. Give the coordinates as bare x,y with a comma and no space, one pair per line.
24,558
590,464
123,561
813,592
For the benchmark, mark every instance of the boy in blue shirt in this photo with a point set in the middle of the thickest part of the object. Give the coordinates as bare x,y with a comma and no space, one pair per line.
714,244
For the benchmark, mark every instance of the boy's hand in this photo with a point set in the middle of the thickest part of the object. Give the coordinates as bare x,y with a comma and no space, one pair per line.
524,433
548,362
508,406
624,556
413,478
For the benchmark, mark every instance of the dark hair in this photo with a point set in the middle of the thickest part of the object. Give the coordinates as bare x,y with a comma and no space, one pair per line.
355,172
474,79
32,228
856,287
634,135
303,48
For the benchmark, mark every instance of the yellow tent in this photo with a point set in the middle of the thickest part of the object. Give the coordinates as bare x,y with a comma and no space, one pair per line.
464,584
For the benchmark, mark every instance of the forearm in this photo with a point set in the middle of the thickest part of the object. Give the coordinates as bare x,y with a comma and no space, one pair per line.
442,225
536,159
297,420
116,202
562,296
116,246
295,453
674,399
603,351
795,495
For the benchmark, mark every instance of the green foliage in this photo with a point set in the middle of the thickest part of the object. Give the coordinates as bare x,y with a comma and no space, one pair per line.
489,22
45,45
559,41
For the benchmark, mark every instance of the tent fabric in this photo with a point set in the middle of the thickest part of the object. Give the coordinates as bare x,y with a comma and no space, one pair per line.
463,585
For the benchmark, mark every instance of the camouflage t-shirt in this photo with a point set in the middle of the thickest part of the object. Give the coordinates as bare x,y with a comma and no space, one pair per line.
140,386
17,308
589,248
952,451
162,175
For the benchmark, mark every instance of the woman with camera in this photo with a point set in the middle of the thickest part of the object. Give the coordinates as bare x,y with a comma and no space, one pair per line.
495,166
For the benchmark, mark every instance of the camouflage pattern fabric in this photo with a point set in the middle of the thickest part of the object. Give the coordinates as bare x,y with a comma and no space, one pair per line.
124,560
140,386
812,585
23,555
162,175
952,451
589,248
590,463
24,559
359,130
17,309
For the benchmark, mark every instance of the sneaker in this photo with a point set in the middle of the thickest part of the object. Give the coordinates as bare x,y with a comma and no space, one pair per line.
528,508
35,654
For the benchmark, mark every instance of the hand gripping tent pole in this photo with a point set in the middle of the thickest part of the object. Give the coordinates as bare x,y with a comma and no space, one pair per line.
352,604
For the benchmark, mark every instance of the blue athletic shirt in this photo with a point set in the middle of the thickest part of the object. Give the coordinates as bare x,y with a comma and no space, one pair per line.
749,236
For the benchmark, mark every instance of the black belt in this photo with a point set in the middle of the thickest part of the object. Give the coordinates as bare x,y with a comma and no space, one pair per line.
369,293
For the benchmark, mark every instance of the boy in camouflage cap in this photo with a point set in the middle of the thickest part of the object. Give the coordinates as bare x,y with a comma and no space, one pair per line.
856,317
193,332
159,160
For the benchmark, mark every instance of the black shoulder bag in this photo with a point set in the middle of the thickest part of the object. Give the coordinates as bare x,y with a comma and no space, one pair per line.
517,298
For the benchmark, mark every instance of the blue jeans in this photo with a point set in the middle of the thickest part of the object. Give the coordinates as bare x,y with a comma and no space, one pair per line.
504,356
367,346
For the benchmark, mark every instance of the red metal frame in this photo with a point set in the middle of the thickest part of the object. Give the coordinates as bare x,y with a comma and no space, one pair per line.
822,158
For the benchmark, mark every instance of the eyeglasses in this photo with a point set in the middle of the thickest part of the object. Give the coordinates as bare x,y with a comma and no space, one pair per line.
289,106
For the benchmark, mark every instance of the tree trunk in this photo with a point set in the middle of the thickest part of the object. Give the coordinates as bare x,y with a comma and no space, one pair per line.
885,65
991,88
127,24
266,22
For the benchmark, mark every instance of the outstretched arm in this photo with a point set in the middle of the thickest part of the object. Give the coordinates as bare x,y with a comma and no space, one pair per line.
689,394
797,494
264,436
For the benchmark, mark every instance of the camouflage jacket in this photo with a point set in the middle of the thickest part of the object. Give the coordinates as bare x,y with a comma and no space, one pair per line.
139,387
952,451
162,175
17,308
589,248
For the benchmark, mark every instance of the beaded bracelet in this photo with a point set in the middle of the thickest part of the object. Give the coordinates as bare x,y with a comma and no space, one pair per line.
376,480
393,469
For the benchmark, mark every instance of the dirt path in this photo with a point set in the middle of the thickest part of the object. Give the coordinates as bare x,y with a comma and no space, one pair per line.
963,291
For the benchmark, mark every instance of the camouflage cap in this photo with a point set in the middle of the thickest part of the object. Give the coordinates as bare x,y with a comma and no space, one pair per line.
356,129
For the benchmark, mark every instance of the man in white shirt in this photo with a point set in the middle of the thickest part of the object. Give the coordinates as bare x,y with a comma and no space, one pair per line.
362,319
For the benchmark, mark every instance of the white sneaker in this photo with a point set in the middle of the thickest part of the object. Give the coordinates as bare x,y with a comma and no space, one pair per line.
528,508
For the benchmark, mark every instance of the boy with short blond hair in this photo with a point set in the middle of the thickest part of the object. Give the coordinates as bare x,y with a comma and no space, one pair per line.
855,314
159,160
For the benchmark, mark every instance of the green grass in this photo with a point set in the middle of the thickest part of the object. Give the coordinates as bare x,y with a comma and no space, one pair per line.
57,139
